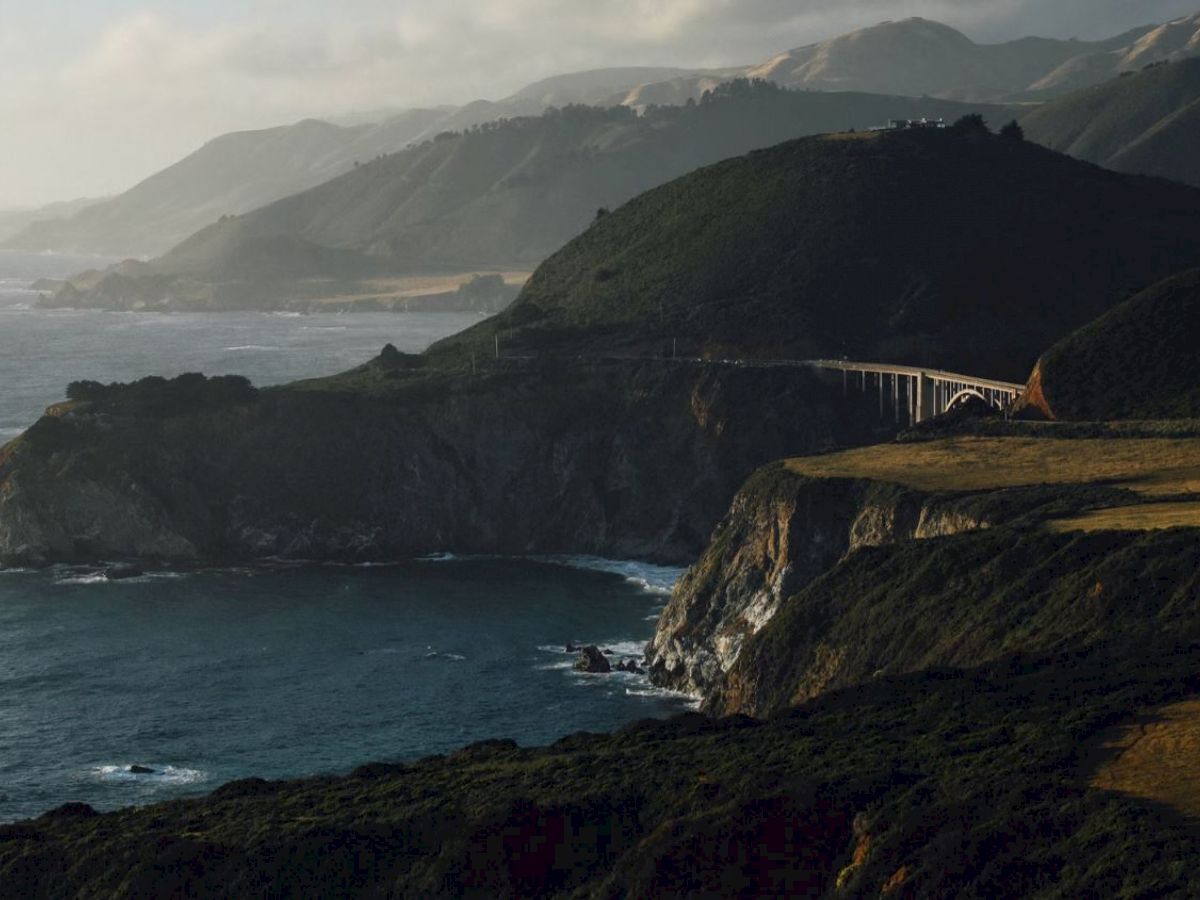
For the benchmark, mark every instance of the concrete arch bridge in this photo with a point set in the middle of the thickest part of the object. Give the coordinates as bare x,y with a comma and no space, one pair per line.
917,393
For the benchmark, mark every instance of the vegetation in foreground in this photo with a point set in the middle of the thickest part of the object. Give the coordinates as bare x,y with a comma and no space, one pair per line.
946,783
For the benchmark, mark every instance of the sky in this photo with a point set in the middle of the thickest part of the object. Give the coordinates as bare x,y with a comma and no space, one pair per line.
97,94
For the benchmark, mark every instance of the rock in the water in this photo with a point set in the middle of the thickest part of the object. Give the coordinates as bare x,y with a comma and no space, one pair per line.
123,572
592,660
140,770
573,648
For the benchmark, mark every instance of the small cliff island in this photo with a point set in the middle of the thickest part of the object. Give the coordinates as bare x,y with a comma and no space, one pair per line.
923,651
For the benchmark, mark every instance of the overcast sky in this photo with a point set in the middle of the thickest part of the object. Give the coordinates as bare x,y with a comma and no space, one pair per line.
97,94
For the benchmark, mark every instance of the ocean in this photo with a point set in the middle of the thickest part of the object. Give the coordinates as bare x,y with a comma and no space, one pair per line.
272,670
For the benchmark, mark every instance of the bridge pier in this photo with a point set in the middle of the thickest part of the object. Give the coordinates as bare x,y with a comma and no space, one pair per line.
926,398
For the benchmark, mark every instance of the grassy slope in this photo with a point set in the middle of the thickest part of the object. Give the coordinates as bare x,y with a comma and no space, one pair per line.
1148,123
1160,474
1136,362
964,600
945,783
515,191
1156,466
980,253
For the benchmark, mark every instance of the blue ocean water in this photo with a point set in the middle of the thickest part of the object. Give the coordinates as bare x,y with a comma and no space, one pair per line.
280,672
208,676
41,351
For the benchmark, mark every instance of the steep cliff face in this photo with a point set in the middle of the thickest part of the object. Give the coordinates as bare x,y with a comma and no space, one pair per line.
631,460
812,584
782,531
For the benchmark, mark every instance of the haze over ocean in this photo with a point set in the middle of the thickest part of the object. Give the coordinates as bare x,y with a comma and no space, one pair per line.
277,671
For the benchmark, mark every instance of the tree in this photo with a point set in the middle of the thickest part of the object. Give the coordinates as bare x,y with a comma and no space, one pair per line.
971,123
1013,131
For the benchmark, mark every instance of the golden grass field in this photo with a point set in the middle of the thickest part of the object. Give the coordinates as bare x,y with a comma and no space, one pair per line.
1156,760
1153,467
417,286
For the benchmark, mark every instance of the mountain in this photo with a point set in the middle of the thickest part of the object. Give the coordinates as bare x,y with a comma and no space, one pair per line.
917,56
229,175
505,194
1138,361
944,247
13,221
238,172
1147,122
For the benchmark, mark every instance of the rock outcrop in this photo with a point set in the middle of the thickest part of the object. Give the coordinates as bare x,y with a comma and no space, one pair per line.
630,460
815,584
782,531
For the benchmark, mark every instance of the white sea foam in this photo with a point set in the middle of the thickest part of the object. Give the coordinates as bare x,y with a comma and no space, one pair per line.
690,700
171,775
649,577
452,657
255,348
90,578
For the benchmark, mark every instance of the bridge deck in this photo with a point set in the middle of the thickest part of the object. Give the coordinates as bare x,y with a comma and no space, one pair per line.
936,375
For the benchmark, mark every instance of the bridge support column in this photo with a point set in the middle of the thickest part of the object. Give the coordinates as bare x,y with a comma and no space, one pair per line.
926,399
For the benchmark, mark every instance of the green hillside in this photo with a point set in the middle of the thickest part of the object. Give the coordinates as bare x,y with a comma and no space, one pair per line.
1147,123
509,194
964,251
1136,362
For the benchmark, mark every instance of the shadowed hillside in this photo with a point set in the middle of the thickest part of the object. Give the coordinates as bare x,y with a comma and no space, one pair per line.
505,194
960,250
1136,362
1147,123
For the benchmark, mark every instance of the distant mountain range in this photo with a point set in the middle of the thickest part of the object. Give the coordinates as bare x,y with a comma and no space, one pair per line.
1147,122
503,195
14,221
236,173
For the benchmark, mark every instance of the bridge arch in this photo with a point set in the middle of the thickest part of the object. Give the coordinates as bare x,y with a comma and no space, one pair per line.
967,393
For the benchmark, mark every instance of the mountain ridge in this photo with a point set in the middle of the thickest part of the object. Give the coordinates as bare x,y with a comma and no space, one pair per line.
911,57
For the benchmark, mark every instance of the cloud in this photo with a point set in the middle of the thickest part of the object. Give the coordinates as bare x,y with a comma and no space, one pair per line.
101,107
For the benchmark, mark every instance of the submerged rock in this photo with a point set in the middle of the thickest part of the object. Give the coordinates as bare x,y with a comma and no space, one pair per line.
592,660
140,770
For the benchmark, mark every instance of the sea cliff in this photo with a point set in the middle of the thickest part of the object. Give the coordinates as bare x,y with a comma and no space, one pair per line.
813,583
395,460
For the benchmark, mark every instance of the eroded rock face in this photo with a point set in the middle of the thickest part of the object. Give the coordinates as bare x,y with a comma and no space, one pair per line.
782,532
593,661
625,460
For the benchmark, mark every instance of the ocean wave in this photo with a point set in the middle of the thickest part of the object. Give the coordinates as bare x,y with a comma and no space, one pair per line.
690,700
169,775
557,666
651,578
451,657
66,575
91,578
254,348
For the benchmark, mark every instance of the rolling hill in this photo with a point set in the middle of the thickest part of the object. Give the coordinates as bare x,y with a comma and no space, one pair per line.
961,250
1148,122
1138,361
500,195
236,173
